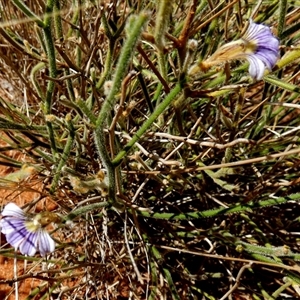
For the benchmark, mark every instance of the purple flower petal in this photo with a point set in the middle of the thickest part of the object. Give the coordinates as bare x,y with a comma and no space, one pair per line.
9,225
12,210
46,243
29,244
16,237
258,45
267,58
256,67
27,235
266,49
256,29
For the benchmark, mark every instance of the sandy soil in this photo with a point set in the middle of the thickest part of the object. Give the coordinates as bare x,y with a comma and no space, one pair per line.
19,194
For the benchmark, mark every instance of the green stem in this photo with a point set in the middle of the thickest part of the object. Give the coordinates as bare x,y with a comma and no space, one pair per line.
101,143
144,89
162,64
152,118
108,64
75,18
290,30
136,25
282,84
281,21
134,30
33,73
110,50
27,11
46,25
164,8
264,293
281,289
288,58
213,213
64,156
86,110
85,209
161,27
7,125
60,36
167,273
282,251
52,71
57,20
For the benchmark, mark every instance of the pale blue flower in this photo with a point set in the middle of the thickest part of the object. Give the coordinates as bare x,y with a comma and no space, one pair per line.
265,49
26,233
258,46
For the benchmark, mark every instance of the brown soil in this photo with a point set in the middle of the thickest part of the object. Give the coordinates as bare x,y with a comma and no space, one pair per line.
20,193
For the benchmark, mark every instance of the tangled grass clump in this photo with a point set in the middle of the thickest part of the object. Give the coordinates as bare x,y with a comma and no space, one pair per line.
170,184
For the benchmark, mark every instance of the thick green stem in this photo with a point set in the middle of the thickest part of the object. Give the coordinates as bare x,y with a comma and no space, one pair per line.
162,21
136,25
134,29
52,71
57,20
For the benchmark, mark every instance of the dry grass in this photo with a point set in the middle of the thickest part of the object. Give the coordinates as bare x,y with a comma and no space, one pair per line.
226,142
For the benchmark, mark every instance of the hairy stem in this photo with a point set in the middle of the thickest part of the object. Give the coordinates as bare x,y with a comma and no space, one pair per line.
136,24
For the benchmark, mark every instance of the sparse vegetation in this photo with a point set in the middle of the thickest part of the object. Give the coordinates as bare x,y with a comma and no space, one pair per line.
169,186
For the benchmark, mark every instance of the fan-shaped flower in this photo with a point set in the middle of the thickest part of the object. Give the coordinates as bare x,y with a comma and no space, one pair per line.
27,233
258,45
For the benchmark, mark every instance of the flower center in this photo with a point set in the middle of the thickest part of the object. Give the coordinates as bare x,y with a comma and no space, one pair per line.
249,46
